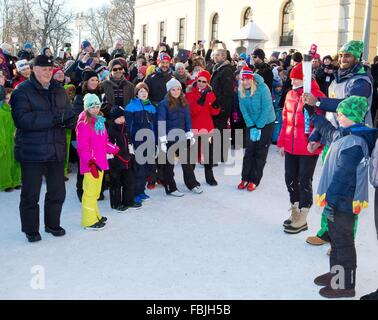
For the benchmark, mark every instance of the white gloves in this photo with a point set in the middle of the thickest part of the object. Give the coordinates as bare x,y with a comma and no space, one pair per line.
163,143
189,136
131,149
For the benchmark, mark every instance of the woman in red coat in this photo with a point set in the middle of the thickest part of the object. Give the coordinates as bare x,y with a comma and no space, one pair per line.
299,162
201,98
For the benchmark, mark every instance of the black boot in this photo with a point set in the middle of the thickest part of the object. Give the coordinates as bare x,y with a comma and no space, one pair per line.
209,176
115,197
79,193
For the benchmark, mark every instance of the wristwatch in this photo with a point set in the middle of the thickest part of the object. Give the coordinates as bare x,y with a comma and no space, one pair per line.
317,103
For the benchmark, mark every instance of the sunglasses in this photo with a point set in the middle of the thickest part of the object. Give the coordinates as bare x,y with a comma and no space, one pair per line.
117,69
201,81
254,57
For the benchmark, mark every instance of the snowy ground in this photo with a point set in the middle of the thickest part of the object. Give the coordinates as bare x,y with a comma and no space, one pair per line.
223,244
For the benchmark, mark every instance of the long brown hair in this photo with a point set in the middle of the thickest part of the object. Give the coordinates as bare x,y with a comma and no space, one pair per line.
85,89
173,103
89,117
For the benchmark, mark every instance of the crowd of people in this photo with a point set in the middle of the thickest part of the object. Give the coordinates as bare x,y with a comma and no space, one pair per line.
126,119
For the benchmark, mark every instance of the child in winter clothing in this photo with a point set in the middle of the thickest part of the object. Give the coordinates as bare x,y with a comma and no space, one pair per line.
343,189
141,115
175,125
299,162
92,147
256,106
121,187
10,172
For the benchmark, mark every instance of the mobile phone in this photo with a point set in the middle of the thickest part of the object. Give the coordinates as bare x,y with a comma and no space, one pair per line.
218,41
164,39
93,54
61,54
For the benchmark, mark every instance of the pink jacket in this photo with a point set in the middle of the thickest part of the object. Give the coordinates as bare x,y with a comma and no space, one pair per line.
92,145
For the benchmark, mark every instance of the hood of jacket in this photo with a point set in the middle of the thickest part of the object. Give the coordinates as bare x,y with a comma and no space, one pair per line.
368,134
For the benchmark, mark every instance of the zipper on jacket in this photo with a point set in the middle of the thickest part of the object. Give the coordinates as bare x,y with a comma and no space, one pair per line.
295,116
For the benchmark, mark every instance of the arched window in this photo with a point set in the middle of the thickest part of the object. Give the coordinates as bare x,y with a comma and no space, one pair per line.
287,31
247,16
214,27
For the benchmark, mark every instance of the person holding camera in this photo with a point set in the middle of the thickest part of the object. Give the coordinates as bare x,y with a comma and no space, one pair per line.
325,74
41,111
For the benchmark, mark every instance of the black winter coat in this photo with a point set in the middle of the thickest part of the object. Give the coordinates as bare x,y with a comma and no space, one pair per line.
157,84
265,71
34,108
117,135
222,82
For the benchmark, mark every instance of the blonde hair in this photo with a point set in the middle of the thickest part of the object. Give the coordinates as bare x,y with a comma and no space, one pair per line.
243,91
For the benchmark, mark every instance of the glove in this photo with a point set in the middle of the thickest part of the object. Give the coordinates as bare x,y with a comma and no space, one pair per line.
93,169
310,109
131,149
156,152
163,143
329,212
255,134
189,136
115,148
64,119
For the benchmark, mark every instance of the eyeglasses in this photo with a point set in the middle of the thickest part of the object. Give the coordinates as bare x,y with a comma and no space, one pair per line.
201,81
117,69
254,57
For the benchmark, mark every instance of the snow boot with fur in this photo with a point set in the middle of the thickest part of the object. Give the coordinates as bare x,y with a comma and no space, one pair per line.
299,222
294,210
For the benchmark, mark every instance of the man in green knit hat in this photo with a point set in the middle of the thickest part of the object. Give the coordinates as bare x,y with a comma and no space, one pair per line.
351,79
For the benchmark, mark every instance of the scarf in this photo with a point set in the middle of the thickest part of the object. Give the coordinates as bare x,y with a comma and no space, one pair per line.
100,125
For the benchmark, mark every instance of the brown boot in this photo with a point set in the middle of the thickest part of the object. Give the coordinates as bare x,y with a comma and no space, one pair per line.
324,280
299,222
294,210
328,292
316,241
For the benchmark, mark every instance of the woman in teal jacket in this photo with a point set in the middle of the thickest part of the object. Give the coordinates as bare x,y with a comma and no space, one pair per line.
256,106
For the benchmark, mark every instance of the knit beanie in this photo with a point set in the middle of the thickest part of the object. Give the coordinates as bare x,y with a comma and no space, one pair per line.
89,74
85,44
243,56
28,45
116,112
91,100
113,63
354,47
173,83
163,56
246,73
297,72
55,70
22,65
354,108
205,74
179,65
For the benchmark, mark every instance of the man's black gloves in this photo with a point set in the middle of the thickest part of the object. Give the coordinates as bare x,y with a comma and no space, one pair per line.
310,109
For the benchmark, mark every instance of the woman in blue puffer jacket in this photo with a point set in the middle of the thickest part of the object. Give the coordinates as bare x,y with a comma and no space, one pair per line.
256,106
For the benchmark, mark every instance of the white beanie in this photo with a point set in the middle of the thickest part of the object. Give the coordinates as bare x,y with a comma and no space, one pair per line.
173,83
22,65
7,48
179,65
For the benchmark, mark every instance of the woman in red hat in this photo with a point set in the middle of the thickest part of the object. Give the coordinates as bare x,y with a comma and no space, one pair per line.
200,97
299,162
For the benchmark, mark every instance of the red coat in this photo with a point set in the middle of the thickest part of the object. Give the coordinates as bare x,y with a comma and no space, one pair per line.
201,115
292,136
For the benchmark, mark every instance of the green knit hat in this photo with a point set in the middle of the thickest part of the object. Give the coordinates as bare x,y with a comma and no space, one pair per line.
354,108
354,47
91,100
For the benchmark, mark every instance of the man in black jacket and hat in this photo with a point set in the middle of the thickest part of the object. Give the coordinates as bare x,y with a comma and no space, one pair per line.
41,111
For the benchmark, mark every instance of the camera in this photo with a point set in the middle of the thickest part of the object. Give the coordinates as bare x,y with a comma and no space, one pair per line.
93,54
67,45
217,41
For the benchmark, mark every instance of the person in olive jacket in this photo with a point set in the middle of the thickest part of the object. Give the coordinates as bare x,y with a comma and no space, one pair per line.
41,111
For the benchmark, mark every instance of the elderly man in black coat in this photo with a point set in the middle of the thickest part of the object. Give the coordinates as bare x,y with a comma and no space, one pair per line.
41,111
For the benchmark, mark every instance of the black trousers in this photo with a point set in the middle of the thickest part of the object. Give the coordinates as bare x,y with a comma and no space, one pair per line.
299,171
343,250
220,123
255,155
188,172
32,174
121,187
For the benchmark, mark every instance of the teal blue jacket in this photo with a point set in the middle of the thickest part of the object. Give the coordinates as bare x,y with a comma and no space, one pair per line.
258,110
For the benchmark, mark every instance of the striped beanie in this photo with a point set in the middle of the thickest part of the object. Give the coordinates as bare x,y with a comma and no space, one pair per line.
246,73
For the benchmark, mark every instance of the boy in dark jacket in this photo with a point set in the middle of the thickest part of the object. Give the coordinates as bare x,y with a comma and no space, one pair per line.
343,190
121,174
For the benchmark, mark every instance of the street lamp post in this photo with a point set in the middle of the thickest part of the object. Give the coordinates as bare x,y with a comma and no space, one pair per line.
367,30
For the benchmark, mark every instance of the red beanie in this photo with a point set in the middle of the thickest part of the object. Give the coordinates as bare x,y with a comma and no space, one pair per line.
204,74
246,73
55,70
163,56
297,72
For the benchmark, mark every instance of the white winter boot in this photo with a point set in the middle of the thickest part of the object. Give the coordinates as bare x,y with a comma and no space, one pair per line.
294,211
299,222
